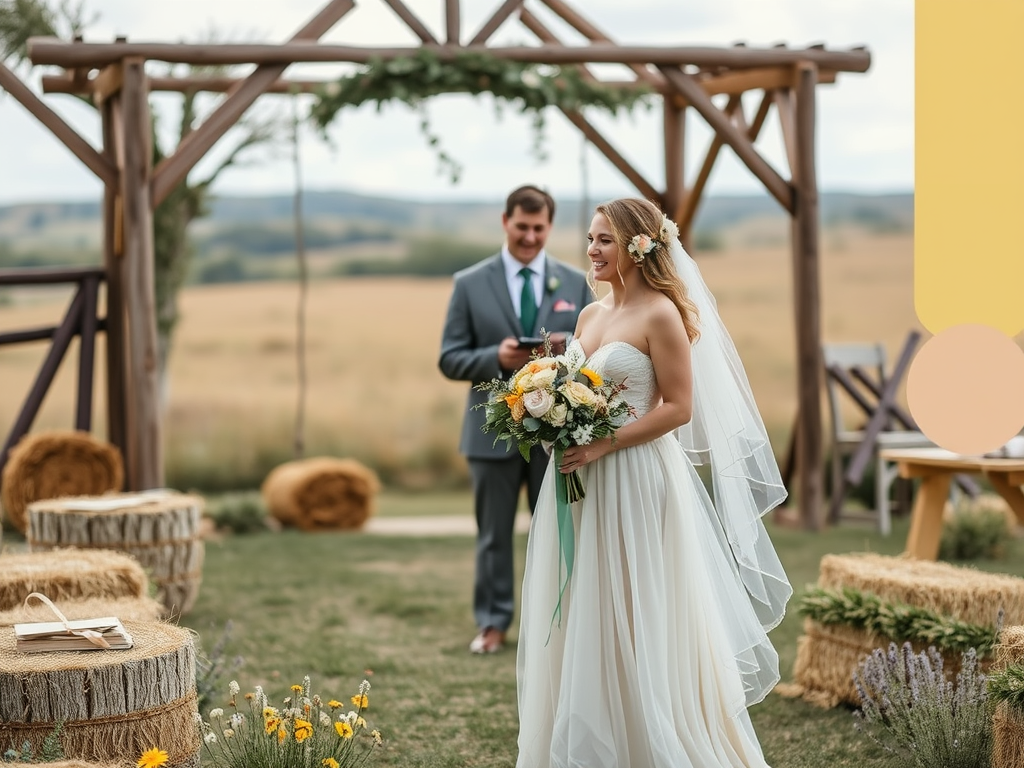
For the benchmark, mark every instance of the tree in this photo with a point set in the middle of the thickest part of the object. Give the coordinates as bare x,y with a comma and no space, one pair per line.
22,19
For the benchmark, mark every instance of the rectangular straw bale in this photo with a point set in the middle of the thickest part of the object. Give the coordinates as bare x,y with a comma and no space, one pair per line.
1010,649
69,574
1007,737
124,608
962,593
826,659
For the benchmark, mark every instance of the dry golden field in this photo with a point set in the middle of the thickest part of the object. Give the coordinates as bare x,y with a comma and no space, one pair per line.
374,388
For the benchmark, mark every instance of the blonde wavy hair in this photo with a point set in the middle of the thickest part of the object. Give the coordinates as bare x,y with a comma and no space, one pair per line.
629,217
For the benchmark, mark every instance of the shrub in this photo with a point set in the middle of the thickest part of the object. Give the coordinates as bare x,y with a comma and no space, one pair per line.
918,716
975,529
242,512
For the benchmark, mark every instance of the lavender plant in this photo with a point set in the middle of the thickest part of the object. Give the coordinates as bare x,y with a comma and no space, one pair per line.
920,717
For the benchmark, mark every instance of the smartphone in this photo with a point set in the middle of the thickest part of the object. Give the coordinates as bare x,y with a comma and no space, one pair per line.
530,341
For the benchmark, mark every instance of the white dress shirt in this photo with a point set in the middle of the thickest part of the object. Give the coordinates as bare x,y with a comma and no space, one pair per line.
515,282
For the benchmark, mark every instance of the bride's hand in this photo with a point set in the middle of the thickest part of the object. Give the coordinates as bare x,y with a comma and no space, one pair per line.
580,455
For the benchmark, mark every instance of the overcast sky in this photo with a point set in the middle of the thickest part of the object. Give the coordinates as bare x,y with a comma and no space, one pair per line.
865,121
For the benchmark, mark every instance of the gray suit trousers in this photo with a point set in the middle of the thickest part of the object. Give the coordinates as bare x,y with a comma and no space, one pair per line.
496,489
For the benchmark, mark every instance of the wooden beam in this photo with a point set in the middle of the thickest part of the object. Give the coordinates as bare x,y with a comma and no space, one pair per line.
145,434
115,357
713,86
545,35
452,21
106,83
52,51
594,136
412,21
807,300
731,135
674,123
762,79
497,19
67,135
688,210
787,120
595,35
172,170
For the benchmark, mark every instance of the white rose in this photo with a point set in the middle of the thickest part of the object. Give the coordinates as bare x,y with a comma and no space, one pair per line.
538,402
543,379
578,394
556,416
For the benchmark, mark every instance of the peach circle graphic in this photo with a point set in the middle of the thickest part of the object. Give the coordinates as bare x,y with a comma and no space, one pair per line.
965,389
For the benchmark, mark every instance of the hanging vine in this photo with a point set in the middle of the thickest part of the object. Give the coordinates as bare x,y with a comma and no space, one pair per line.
529,87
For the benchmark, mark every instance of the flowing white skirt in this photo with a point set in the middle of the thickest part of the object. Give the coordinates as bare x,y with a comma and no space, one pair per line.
656,626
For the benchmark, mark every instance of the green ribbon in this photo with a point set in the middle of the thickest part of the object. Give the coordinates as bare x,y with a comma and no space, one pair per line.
566,537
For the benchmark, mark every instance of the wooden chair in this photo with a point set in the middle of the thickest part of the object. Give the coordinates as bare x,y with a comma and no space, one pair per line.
858,372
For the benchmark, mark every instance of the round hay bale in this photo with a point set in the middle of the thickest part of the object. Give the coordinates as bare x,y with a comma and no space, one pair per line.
48,465
966,594
1010,648
114,705
160,529
124,608
321,494
73,575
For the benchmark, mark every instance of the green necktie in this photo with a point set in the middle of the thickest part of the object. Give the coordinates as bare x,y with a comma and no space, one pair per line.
527,302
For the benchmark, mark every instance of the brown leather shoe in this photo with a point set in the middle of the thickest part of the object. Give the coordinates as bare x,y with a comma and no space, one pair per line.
490,640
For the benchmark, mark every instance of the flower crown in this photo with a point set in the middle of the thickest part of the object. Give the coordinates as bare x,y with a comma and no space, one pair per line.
643,244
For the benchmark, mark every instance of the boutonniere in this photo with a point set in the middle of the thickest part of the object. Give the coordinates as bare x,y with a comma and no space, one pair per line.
553,283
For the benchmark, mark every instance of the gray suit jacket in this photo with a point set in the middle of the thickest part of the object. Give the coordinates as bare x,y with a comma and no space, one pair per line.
480,315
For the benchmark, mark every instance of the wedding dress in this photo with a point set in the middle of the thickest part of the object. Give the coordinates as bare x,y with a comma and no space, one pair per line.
660,647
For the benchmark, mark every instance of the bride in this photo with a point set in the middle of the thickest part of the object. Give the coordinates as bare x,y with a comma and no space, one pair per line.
660,643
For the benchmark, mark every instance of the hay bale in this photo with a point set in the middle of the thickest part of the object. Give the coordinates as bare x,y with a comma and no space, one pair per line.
48,465
113,704
966,594
827,656
73,575
124,608
160,529
1007,737
321,494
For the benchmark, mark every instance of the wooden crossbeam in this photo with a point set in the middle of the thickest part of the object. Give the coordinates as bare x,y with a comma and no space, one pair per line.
452,21
173,169
595,35
52,51
594,136
783,98
545,35
412,21
68,136
497,19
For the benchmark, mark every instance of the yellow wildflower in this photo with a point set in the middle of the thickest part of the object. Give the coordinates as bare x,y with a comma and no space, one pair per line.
344,730
361,700
360,722
269,712
594,376
250,696
333,703
329,762
152,758
377,738
297,689
271,724
282,734
303,729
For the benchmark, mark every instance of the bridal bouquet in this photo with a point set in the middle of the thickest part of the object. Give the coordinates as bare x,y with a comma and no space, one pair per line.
553,402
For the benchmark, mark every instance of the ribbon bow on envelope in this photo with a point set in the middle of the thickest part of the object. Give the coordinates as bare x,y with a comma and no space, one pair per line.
94,634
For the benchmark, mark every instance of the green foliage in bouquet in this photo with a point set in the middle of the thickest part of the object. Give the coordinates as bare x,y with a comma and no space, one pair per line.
554,402
306,732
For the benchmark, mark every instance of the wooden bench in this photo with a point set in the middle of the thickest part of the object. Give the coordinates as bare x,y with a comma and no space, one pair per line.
935,467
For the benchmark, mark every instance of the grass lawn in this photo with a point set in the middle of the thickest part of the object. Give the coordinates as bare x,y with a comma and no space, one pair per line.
335,605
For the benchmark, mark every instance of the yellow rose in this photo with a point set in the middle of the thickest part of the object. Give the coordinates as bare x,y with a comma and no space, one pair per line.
579,394
543,379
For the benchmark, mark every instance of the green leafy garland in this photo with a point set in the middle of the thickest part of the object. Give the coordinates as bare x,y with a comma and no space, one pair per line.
412,79
897,621
1007,685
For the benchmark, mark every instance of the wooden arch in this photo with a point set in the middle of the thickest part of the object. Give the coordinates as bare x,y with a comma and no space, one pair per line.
113,74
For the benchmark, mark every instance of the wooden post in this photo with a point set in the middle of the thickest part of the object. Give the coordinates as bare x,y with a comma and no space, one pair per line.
452,21
145,443
675,142
114,265
86,353
807,304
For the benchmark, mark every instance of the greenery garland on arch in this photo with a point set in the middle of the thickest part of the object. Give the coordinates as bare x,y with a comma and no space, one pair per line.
531,87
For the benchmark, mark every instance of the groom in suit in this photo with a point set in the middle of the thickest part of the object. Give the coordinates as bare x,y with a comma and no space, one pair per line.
512,294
